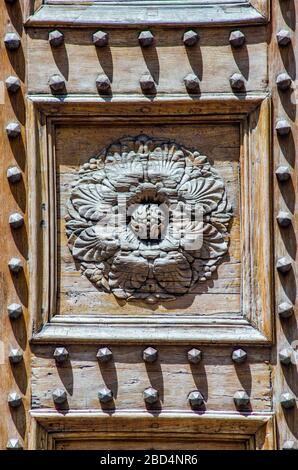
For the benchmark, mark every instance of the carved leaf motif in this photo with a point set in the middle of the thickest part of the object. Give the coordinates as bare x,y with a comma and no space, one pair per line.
173,273
171,234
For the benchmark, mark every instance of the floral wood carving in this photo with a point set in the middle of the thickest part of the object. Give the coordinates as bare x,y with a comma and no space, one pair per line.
148,219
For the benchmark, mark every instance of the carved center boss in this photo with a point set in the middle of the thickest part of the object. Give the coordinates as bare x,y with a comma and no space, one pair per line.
148,219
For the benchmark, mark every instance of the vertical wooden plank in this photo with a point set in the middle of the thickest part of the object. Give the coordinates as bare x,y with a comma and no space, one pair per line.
283,59
13,288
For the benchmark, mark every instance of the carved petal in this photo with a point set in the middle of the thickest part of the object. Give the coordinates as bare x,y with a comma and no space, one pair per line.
95,243
93,201
124,172
173,273
166,165
214,244
128,272
207,192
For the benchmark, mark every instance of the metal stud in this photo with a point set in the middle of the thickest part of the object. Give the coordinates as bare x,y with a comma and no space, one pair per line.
237,39
192,83
237,81
190,38
14,174
103,83
56,82
12,41
100,39
14,311
283,127
14,400
13,84
104,355
15,355
195,398
150,354
59,396
15,265
150,395
285,309
147,83
56,38
287,400
283,173
241,399
16,220
239,356
284,264
61,354
283,81
105,395
194,356
283,37
146,39
290,445
14,444
13,130
284,218
285,356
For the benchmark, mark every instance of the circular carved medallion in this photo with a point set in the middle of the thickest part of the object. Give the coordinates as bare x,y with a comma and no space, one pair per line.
147,219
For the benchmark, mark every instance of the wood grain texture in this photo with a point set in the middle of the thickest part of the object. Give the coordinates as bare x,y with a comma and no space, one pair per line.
124,61
285,198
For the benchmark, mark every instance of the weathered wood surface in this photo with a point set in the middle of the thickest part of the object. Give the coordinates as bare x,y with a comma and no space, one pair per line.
217,377
124,61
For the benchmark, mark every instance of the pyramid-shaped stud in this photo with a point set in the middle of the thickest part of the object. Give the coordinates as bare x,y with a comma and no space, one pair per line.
56,38
287,400
150,395
192,83
15,355
150,354
14,400
237,81
190,38
12,41
283,81
56,82
14,174
241,399
103,83
290,445
283,37
285,356
194,356
14,311
283,173
14,444
100,39
16,220
283,127
239,356
104,354
61,354
285,309
147,83
59,396
13,130
237,38
284,218
13,84
105,395
195,398
15,265
284,264
146,39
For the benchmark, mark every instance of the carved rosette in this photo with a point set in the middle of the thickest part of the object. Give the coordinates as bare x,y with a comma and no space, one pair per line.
148,219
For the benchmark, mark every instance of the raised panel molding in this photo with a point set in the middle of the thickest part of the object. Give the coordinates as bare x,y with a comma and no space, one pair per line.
207,431
167,13
252,323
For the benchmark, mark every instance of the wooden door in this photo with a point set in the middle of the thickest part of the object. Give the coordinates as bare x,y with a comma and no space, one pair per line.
148,224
